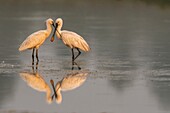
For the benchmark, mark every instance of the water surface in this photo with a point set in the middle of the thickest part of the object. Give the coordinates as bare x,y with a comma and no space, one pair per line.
128,65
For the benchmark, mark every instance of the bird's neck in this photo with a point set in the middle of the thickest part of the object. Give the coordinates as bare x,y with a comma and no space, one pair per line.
58,31
59,96
48,94
49,29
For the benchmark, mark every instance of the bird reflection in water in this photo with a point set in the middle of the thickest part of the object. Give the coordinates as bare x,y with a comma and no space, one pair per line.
36,81
70,82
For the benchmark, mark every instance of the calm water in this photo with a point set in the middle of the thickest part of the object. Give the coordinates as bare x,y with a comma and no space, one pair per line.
128,66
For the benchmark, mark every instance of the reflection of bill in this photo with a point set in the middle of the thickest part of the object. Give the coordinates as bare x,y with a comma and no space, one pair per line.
35,81
70,82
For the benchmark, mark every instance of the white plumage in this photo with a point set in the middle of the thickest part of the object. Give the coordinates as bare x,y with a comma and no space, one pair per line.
35,81
70,82
70,39
35,40
73,40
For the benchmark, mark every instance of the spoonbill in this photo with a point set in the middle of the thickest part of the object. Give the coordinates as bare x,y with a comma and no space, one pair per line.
36,81
71,40
36,39
70,82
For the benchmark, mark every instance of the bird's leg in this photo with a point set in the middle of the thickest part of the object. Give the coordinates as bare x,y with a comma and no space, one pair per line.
36,66
37,57
33,57
72,58
77,66
33,69
79,52
72,67
74,63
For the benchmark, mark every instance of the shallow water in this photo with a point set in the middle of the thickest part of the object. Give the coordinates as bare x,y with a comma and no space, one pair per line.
128,65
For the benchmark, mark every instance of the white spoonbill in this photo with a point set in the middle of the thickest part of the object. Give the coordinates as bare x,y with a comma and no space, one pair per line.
70,82
70,39
35,40
36,81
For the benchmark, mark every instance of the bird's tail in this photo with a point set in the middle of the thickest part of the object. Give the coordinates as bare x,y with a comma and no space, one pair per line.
22,48
85,47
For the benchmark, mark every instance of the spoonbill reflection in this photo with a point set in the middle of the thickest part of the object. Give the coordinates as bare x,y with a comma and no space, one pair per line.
70,39
36,81
70,82
35,40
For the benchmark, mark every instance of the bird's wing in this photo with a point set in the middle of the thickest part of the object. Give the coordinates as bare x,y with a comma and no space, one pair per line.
35,39
72,81
33,81
74,40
